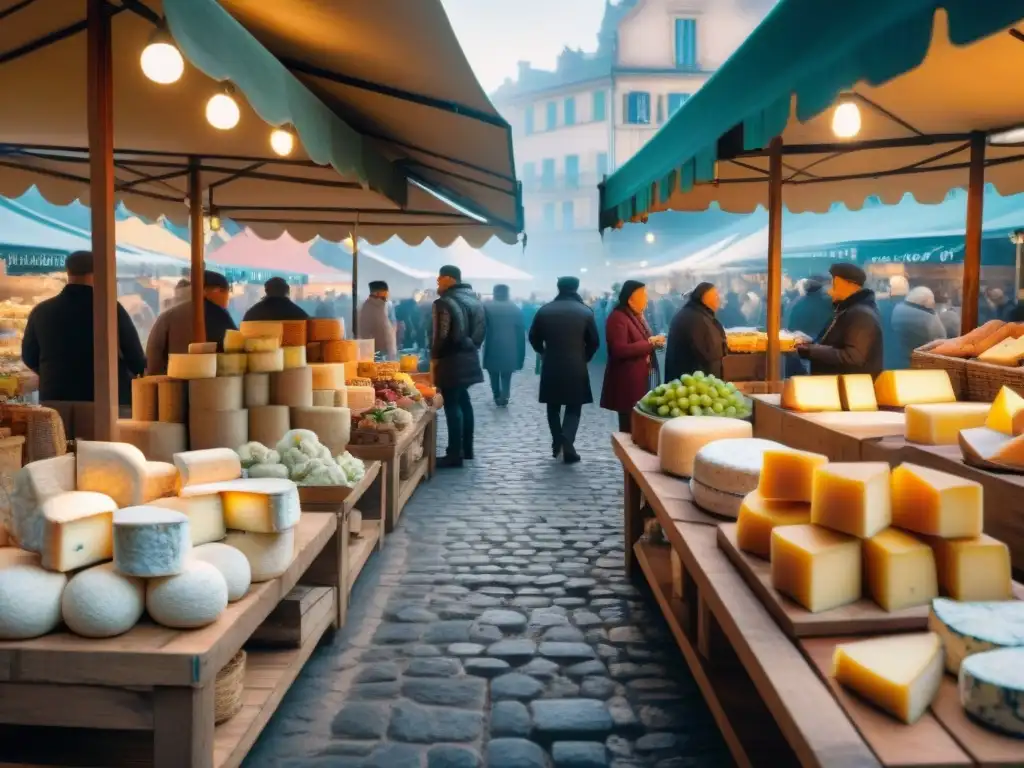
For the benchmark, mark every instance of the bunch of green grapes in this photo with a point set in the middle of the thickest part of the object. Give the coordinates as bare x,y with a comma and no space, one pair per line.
697,394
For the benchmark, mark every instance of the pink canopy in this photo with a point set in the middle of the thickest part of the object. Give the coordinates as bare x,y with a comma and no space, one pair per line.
282,255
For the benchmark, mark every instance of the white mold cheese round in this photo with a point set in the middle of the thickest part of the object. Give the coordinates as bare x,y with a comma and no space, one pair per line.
732,465
269,554
715,501
100,602
29,595
232,564
193,598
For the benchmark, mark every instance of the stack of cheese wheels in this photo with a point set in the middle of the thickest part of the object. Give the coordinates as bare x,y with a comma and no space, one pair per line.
681,438
727,470
159,412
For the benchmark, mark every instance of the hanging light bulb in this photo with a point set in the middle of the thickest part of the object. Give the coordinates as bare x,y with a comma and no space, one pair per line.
161,60
846,120
222,111
282,141
649,237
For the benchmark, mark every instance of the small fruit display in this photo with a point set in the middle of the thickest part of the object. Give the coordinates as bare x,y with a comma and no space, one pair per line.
697,394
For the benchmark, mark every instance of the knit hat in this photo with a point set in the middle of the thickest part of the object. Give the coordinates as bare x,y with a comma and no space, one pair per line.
501,292
849,272
378,285
449,270
568,284
628,289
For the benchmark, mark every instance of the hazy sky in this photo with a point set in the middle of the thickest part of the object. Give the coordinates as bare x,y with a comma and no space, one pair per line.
496,34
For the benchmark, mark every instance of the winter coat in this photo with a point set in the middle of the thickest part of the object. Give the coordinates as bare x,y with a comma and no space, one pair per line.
58,345
172,333
375,324
459,330
275,308
886,307
505,340
913,326
811,312
696,342
852,343
564,334
950,320
627,375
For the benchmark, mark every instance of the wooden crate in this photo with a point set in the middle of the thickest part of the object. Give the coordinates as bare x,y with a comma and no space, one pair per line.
290,624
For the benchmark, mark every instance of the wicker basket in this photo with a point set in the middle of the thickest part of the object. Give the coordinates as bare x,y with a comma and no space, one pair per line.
10,463
228,688
984,380
42,427
956,367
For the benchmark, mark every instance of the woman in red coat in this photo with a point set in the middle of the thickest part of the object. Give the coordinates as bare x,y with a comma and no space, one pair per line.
631,353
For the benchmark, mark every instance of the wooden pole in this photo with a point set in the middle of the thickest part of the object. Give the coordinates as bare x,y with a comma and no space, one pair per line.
972,244
355,282
773,291
198,247
100,96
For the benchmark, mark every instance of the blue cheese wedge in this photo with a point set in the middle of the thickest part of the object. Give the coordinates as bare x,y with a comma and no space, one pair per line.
992,690
970,628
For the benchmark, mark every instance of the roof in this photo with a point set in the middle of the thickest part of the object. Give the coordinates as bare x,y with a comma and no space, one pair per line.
474,264
924,75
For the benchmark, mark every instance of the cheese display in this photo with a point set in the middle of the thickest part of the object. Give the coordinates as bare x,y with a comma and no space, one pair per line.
936,503
234,341
899,674
970,628
940,423
362,398
269,423
818,568
989,448
322,397
972,569
787,474
857,392
715,501
232,364
232,564
680,439
328,375
332,425
256,389
896,389
76,530
294,357
759,516
194,597
852,498
205,515
191,366
690,395
212,465
262,328
30,595
211,429
293,387
992,690
156,439
899,570
116,469
34,484
262,343
161,480
144,398
100,602
266,362
293,333
269,554
732,465
202,347
339,351
324,329
808,394
1009,351
172,401
221,394
150,541
1006,405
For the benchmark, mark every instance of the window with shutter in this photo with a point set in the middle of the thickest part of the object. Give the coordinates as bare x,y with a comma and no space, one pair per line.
675,101
661,109
552,115
568,215
529,171
549,215
637,108
547,172
572,171
599,106
686,43
570,110
528,121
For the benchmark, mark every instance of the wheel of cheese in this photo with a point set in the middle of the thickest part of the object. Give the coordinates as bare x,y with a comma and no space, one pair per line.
340,351
261,505
232,364
262,343
328,375
332,425
234,341
252,328
144,398
193,598
172,401
324,329
100,602
714,501
292,387
256,389
323,397
682,437
269,423
294,357
213,465
150,541
360,398
269,554
293,333
33,484
162,479
190,367
223,393
732,465
202,348
215,429
314,352
231,563
29,595
205,515
341,397
116,469
157,440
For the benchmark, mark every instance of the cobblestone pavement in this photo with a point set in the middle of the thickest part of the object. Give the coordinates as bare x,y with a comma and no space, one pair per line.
497,628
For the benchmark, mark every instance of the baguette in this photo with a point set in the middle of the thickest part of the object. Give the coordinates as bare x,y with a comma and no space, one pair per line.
964,346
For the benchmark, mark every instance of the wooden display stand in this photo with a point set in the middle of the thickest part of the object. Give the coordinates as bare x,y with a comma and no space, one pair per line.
772,697
397,490
61,695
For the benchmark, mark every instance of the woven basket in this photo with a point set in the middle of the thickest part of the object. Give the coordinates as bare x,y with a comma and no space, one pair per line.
228,688
10,463
956,367
984,380
42,428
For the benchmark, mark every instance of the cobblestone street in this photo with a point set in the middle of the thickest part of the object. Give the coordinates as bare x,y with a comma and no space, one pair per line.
497,627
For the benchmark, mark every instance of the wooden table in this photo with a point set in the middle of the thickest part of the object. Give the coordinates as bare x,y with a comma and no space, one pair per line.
61,695
399,490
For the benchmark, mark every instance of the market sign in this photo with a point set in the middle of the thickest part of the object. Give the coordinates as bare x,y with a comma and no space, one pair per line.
32,261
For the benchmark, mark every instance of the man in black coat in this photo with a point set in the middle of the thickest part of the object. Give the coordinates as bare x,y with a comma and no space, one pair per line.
172,331
852,342
459,328
696,340
276,305
58,341
504,345
564,334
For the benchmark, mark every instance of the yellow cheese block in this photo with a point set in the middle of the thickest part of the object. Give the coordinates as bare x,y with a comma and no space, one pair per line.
818,568
328,375
202,348
972,569
899,570
1006,352
899,674
982,445
896,389
294,357
936,503
811,393
758,517
1006,405
940,423
191,366
857,391
787,475
77,530
234,341
254,328
852,498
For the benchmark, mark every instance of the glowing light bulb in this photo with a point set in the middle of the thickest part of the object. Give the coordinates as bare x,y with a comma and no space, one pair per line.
583,270
846,120
282,141
649,237
222,112
162,62
643,264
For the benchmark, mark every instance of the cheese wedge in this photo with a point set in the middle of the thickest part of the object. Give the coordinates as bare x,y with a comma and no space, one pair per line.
857,392
33,485
257,505
972,569
811,393
1007,352
899,674
77,530
115,469
896,389
983,446
852,498
818,568
936,503
940,423
899,570
787,475
1006,405
758,517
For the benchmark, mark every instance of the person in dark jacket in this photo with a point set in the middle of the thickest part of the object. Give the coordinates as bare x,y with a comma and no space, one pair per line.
731,314
914,324
276,304
852,342
632,362
564,335
696,340
459,328
172,332
504,343
58,340
408,316
811,312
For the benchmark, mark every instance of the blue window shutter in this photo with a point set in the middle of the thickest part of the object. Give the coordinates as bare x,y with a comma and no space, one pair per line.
529,120
552,121
568,215
638,108
675,101
547,172
529,171
572,170
602,165
570,110
549,215
599,106
686,43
